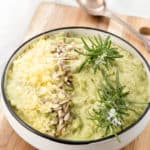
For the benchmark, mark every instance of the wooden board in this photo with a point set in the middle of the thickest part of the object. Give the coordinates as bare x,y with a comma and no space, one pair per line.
49,16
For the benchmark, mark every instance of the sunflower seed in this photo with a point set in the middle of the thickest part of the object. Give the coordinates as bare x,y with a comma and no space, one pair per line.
67,116
60,127
60,113
63,102
66,108
55,106
61,121
63,130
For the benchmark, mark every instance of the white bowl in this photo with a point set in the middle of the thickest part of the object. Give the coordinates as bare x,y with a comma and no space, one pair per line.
46,142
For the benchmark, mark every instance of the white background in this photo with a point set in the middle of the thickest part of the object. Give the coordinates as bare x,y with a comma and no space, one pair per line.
15,16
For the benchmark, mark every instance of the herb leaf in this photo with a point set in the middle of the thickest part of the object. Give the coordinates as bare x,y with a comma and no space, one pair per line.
112,106
98,52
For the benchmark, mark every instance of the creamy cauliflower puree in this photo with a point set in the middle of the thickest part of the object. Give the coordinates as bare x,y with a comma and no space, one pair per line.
48,92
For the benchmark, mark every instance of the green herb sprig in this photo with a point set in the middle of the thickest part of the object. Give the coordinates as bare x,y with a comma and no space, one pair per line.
112,106
98,52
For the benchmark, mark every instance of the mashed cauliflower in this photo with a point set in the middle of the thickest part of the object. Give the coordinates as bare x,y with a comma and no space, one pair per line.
46,91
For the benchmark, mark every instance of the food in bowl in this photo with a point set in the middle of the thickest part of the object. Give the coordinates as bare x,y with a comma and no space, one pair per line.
77,87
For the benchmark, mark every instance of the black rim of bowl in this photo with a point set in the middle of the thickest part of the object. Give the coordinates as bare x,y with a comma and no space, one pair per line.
65,141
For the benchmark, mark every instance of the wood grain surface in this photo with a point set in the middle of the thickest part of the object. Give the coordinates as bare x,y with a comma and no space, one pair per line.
49,16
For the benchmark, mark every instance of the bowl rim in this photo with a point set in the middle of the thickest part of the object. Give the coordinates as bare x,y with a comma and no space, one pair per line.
49,137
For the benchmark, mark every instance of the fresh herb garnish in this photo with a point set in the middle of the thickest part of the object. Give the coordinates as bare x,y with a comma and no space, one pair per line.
112,106
98,52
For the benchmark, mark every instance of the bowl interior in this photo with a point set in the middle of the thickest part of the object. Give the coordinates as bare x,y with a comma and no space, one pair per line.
78,30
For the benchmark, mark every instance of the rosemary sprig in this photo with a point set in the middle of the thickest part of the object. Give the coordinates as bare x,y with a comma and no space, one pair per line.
112,106
98,52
